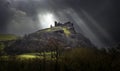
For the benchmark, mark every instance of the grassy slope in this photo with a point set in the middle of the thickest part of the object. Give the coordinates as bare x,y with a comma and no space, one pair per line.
66,31
33,55
4,37
48,54
30,56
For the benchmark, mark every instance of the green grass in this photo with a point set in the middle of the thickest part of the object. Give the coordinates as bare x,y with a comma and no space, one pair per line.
4,37
52,29
66,31
77,59
27,56
30,56
22,57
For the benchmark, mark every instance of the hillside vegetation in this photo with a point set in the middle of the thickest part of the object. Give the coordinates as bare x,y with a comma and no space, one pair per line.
77,59
5,37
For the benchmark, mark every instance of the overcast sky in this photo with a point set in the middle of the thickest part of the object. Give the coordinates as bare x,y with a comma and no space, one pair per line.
99,20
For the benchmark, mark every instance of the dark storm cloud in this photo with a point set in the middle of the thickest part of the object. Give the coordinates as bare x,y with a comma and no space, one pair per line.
106,14
97,19
5,15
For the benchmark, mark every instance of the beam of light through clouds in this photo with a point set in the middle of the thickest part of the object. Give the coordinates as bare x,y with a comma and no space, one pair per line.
46,19
86,30
100,31
94,23
32,15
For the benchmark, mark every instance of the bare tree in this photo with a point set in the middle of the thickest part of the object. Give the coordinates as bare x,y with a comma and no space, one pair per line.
55,46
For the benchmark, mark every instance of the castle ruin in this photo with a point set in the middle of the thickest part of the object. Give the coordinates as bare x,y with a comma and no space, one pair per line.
69,25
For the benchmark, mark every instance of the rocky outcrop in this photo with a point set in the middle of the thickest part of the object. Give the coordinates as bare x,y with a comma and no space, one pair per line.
64,36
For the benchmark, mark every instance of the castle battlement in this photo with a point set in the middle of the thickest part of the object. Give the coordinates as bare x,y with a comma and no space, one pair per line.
68,24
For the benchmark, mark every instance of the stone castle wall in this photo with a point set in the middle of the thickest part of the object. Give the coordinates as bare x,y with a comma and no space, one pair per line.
69,25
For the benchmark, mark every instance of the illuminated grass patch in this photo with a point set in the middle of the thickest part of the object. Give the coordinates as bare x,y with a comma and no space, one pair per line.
66,31
34,55
27,56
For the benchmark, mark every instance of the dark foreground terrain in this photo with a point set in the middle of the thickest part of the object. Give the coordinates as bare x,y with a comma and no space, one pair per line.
58,48
77,59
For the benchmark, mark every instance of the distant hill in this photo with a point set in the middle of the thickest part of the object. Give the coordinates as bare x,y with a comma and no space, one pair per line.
61,35
5,37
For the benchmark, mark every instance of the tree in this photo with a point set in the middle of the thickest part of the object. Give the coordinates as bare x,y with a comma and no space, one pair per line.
1,48
55,46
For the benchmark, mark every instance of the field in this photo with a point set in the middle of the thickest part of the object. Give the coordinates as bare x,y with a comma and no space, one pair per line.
77,59
28,56
5,37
